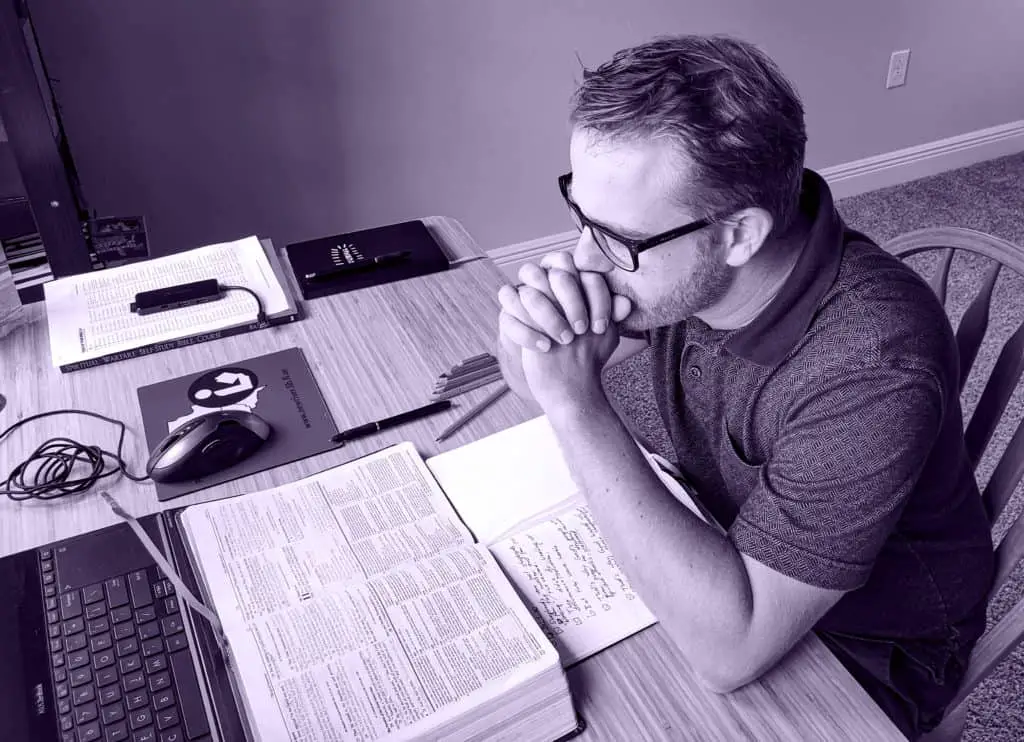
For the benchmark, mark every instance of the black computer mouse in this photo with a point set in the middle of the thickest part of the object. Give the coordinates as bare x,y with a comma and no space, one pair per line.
207,444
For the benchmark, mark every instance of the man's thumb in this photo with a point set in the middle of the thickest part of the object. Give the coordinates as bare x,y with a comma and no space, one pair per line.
621,307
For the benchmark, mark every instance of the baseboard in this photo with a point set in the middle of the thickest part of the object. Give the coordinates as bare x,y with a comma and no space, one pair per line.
849,179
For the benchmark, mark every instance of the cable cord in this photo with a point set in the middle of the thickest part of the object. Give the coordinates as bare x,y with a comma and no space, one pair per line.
261,315
47,473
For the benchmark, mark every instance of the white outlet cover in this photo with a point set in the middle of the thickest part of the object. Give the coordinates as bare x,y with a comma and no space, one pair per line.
898,63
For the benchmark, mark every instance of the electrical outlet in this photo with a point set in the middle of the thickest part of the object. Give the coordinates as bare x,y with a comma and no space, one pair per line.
898,63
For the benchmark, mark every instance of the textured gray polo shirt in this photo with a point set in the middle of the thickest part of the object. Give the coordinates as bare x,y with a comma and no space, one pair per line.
826,436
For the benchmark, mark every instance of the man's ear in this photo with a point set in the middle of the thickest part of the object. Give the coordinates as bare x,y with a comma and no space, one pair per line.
743,234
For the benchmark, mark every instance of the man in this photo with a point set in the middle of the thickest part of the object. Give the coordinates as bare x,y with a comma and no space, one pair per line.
807,379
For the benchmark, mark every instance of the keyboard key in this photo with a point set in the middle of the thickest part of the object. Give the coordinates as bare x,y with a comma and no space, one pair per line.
133,682
136,698
68,737
62,690
90,732
117,592
172,735
144,735
101,642
56,645
168,587
121,614
73,626
171,625
176,642
110,694
50,590
140,718
78,659
92,593
70,605
103,659
156,663
170,605
131,663
138,586
162,699
60,675
148,613
83,695
48,578
113,712
46,553
152,646
58,660
106,676
67,722
123,631
80,676
85,714
190,702
127,646
74,643
167,718
96,610
98,626
64,706
48,565
51,604
149,630
52,616
117,733
54,630
159,681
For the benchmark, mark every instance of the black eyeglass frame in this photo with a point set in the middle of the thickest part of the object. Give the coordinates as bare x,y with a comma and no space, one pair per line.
635,247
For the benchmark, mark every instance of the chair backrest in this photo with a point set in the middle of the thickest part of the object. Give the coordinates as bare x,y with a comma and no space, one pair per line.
1004,636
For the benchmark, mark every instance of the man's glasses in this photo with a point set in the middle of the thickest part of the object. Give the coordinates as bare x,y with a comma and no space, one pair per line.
622,251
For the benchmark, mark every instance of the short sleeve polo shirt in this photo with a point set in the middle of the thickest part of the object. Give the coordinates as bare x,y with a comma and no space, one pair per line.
827,437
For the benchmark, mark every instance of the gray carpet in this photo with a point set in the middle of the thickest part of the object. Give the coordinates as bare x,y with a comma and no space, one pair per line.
988,197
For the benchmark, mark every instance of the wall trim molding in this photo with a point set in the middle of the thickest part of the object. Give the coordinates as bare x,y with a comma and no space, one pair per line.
848,179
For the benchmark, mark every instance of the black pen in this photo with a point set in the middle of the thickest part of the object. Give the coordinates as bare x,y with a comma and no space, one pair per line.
359,265
390,422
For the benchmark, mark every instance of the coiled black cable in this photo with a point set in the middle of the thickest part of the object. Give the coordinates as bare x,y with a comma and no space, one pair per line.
47,473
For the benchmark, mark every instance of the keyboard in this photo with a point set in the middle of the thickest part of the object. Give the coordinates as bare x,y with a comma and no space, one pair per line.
122,671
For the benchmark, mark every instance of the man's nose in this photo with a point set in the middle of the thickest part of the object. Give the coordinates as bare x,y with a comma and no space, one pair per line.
587,256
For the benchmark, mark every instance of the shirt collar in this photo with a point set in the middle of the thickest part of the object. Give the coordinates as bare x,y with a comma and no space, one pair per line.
778,328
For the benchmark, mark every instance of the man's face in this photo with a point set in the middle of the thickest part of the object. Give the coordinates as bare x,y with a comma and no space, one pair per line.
629,188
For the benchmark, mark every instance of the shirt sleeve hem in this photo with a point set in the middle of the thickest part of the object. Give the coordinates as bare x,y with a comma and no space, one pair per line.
796,561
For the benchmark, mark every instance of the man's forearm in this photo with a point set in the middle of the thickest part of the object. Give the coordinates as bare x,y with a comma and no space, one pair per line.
691,577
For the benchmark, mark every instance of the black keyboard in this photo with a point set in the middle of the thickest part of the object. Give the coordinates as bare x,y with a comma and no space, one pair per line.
122,671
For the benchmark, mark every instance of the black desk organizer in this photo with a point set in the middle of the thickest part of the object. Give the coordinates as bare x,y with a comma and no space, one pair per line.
326,253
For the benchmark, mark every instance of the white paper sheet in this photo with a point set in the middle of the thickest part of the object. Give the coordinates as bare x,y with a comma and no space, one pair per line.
89,316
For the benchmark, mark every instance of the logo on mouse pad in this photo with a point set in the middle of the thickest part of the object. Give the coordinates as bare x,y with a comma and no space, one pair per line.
227,388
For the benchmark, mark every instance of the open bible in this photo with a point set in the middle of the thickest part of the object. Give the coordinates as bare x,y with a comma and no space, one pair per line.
357,605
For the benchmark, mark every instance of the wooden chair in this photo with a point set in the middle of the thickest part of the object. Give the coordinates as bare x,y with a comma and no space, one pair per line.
997,643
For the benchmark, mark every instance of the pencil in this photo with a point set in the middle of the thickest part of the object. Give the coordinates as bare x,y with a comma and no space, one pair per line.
487,402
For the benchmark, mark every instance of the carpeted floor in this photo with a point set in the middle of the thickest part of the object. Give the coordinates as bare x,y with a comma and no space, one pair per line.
988,197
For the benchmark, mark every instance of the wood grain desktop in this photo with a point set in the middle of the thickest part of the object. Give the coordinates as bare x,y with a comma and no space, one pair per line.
377,352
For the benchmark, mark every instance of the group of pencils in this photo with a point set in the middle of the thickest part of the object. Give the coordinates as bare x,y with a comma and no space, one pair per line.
463,377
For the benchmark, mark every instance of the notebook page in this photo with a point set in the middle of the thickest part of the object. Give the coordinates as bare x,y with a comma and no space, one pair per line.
89,316
355,606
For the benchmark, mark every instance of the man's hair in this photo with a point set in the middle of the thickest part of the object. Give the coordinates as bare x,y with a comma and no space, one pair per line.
720,102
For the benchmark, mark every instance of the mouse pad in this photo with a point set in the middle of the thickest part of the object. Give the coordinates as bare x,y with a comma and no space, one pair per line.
279,387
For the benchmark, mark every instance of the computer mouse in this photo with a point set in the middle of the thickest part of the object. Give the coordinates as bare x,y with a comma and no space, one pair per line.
207,444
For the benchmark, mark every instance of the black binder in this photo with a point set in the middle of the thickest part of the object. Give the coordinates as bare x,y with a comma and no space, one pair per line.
357,250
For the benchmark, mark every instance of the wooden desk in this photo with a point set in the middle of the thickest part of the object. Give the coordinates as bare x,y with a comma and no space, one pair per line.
376,352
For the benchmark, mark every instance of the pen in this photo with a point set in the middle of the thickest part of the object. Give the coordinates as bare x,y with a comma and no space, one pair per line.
359,265
488,401
390,422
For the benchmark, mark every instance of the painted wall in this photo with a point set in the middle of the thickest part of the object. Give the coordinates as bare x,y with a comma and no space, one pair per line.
218,119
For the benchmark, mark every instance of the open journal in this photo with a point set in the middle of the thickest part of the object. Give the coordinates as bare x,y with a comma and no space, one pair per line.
358,607
90,320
